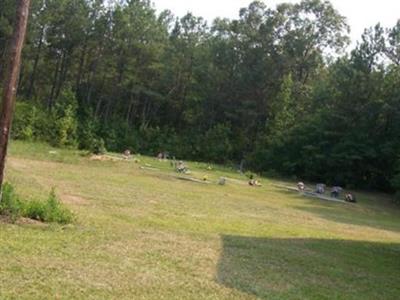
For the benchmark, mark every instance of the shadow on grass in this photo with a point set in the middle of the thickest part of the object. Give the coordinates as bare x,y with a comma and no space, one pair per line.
310,268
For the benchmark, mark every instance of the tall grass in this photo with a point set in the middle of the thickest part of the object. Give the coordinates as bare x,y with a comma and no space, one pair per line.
10,204
50,211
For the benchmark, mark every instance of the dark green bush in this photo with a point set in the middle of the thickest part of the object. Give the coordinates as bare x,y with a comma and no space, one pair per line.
57,126
396,185
216,144
87,132
98,146
65,120
31,123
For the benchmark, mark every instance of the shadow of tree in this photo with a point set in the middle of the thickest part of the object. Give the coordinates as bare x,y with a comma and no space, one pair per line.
310,268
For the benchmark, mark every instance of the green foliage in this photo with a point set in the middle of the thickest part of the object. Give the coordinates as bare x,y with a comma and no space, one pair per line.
26,123
284,109
217,144
10,204
30,122
395,182
57,127
257,87
51,210
87,131
65,120
249,175
98,146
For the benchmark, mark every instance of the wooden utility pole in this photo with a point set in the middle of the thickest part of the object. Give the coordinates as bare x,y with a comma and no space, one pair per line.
11,80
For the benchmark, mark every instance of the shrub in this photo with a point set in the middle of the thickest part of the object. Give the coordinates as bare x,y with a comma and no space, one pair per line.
65,120
29,122
35,210
98,146
10,205
66,126
58,126
86,132
217,144
249,175
51,210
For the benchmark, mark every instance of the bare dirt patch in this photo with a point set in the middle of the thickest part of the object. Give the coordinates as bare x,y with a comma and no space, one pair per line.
21,221
100,158
27,221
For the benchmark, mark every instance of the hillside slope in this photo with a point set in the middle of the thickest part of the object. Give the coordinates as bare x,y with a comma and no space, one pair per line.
146,234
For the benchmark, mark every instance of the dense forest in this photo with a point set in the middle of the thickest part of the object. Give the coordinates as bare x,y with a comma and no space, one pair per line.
275,88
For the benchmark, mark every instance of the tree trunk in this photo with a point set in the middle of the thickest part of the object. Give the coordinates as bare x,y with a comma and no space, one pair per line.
35,64
128,113
11,78
53,87
92,73
98,106
80,68
63,73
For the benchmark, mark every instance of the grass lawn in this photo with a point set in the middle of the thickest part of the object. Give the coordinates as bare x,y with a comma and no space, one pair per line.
145,234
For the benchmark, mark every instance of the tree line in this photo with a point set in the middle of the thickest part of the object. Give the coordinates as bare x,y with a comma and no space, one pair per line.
274,87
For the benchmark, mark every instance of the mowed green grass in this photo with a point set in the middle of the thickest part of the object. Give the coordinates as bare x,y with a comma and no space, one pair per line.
144,234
